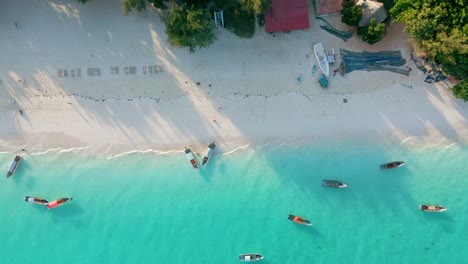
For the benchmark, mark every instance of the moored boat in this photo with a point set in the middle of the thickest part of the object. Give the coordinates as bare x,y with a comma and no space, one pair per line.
35,200
191,158
58,202
299,220
250,257
334,184
432,208
208,154
13,166
322,59
392,165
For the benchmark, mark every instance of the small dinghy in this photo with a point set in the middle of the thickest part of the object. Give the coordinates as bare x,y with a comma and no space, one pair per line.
432,208
189,155
250,257
58,202
208,154
392,165
35,200
334,184
13,166
299,220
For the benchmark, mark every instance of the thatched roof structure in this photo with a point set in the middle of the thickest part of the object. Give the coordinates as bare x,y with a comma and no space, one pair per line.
371,9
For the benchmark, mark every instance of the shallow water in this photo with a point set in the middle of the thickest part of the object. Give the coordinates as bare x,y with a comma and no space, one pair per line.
154,208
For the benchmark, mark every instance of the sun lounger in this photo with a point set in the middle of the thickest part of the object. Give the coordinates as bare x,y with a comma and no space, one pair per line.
126,70
161,68
116,68
78,72
98,72
150,69
112,70
60,73
132,70
65,73
155,69
145,70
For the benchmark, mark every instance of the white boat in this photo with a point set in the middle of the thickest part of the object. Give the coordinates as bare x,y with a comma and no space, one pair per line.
432,208
191,158
208,154
13,166
36,200
322,59
334,184
250,257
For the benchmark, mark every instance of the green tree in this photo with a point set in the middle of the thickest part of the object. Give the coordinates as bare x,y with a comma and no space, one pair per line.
440,28
351,13
461,90
83,1
129,5
257,6
189,27
157,3
373,33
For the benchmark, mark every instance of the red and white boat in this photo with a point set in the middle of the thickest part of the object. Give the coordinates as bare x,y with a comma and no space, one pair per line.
58,202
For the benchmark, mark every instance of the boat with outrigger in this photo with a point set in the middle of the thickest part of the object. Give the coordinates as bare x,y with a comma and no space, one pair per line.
58,202
209,153
299,220
250,257
13,166
191,158
334,184
321,57
35,200
392,165
432,208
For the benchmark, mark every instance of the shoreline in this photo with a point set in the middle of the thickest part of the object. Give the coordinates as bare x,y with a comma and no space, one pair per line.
246,85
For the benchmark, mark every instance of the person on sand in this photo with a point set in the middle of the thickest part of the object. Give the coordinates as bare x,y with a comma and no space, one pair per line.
21,112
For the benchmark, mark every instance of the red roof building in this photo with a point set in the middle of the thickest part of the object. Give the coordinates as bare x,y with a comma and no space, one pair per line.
286,15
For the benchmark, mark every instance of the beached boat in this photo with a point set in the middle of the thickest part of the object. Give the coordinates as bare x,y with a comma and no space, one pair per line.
250,257
36,200
58,202
334,184
392,165
432,208
299,220
322,59
13,166
208,154
191,158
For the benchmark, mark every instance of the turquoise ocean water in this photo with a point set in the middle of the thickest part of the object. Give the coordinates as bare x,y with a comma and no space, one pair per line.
154,208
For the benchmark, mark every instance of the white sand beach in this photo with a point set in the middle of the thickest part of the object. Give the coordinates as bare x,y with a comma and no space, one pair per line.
247,85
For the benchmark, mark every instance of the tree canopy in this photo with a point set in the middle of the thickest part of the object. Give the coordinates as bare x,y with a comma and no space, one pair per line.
351,13
257,6
372,33
461,90
189,27
441,30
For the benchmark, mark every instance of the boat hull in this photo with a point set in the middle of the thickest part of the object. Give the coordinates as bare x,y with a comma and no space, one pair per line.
334,184
13,166
299,220
392,165
322,60
432,208
35,200
250,257
58,202
191,158
209,153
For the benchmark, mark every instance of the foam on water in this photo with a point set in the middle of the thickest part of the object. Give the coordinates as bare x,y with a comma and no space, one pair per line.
152,207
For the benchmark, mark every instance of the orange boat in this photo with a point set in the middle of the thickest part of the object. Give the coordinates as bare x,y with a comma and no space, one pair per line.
58,202
299,220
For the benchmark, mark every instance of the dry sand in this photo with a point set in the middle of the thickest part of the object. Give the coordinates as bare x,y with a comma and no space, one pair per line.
247,85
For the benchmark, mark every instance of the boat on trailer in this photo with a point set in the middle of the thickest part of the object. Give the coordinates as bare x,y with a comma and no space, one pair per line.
334,184
58,202
322,60
432,208
250,257
191,158
392,165
209,153
13,166
35,200
299,220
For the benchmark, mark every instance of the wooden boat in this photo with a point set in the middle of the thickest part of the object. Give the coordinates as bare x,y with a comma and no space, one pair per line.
392,165
208,154
432,208
13,166
36,200
58,202
322,59
334,184
250,257
189,155
299,220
